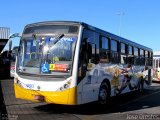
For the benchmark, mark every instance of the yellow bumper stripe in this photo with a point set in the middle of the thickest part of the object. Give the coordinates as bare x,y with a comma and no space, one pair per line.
67,97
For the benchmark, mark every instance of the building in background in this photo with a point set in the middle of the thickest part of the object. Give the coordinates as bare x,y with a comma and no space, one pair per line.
4,56
4,36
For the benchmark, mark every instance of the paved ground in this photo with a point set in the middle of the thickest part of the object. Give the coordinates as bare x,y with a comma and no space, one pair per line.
2,105
130,106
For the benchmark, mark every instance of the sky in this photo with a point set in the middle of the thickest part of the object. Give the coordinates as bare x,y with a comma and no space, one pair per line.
136,20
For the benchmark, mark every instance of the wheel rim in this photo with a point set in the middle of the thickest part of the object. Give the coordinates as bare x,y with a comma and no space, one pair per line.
103,96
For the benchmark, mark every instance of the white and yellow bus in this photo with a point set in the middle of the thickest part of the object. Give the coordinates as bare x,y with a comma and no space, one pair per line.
156,66
73,63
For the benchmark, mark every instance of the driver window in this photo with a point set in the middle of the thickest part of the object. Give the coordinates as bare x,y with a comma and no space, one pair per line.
89,55
91,41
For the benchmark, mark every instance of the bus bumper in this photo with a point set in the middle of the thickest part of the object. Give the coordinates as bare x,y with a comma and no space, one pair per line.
66,97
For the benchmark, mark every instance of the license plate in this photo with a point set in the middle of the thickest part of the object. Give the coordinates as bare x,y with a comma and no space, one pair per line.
39,97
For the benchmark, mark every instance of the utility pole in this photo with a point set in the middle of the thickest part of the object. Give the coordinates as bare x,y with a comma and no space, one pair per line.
120,22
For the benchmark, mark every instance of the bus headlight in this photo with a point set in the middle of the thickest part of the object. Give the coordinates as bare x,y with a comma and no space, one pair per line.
65,86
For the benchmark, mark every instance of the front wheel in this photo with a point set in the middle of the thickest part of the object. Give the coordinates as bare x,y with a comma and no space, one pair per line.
104,94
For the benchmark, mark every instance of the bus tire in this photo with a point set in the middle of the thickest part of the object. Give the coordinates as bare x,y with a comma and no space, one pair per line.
104,94
141,85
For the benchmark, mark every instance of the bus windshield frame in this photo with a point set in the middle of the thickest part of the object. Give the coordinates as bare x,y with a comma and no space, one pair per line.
52,55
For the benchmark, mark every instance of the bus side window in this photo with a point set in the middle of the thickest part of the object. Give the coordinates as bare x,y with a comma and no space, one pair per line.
123,54
136,56
150,59
91,52
82,65
114,51
104,50
130,55
142,57
87,56
146,57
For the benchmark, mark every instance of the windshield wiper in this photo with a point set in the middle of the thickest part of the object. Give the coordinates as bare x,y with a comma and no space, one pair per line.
55,41
58,38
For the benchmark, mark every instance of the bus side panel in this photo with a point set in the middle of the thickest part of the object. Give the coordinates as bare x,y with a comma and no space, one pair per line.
122,78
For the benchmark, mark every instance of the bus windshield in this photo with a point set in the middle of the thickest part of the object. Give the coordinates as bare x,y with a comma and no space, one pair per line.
47,55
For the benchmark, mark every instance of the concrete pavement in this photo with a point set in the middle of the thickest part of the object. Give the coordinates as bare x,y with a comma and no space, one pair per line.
123,107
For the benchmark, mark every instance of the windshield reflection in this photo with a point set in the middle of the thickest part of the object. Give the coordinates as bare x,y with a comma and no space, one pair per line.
44,52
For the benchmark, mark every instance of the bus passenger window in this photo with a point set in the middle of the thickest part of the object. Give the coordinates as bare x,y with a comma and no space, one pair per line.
123,53
104,50
104,56
91,51
104,43
92,45
130,58
114,52
146,58
142,57
149,58
136,56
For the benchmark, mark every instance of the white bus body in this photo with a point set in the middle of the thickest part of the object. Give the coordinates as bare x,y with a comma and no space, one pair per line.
74,63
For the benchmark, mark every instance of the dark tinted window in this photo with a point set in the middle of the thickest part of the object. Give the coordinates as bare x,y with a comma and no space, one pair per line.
146,54
135,51
123,48
105,43
114,45
142,58
141,53
104,50
92,44
130,58
114,52
150,58
114,57
123,54
136,56
130,50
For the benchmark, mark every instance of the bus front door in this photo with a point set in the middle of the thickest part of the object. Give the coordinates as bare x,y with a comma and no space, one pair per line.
90,81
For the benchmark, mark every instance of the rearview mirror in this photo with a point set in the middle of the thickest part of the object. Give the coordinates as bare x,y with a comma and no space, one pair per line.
15,35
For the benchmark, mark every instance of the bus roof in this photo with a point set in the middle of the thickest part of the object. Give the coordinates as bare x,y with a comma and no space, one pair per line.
102,32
